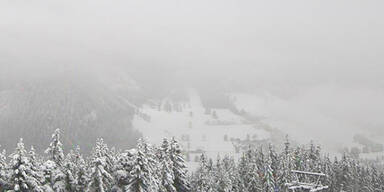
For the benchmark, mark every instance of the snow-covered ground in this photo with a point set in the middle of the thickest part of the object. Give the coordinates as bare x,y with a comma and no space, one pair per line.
330,120
197,130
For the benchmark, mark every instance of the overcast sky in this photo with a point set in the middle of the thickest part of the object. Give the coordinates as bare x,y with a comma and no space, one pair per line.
334,48
276,40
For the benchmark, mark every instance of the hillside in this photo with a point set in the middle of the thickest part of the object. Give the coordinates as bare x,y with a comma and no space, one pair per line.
83,107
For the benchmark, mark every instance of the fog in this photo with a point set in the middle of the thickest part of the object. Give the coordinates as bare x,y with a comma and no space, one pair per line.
322,61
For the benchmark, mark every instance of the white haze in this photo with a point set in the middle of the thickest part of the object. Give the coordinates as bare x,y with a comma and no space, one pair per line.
323,58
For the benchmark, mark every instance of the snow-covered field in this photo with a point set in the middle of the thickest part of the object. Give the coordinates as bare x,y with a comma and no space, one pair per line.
197,130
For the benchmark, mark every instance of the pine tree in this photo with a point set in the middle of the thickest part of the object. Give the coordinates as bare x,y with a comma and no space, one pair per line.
3,171
274,164
3,163
102,150
33,157
242,169
36,164
153,162
23,178
55,149
298,159
229,167
223,181
345,175
249,171
48,170
101,179
142,176
327,168
81,174
180,182
286,164
166,168
269,180
203,178
57,173
69,172
123,169
59,180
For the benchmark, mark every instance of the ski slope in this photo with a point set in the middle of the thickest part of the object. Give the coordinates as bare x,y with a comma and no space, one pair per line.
197,130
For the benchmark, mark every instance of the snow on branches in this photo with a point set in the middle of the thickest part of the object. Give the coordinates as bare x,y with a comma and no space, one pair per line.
149,168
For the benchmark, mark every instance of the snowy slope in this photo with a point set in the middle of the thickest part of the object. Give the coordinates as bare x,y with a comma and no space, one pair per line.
196,129
304,117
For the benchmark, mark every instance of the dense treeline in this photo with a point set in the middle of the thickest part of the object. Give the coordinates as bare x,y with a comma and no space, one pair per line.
144,169
267,170
162,169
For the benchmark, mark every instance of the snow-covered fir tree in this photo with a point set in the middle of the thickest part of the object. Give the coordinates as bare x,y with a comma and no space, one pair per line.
3,171
223,180
142,175
269,182
167,175
271,171
229,166
57,177
252,172
59,180
101,179
48,169
202,180
179,167
286,164
123,168
69,171
36,164
22,175
55,149
79,169
101,150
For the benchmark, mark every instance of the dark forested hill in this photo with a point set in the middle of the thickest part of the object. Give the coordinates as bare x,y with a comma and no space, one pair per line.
83,107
